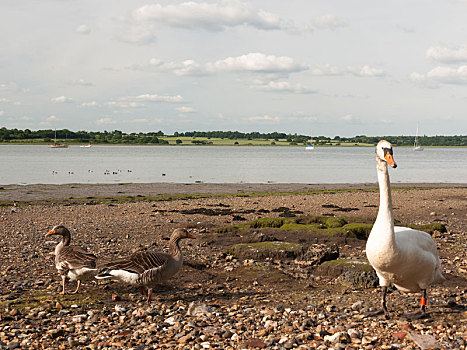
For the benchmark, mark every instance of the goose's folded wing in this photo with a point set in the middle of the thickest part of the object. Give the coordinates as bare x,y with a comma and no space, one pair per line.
137,263
75,257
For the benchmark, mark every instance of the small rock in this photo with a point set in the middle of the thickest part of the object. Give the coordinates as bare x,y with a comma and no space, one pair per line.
357,305
13,345
354,333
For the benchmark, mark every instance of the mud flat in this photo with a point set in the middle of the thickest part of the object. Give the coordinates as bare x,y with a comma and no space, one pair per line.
222,299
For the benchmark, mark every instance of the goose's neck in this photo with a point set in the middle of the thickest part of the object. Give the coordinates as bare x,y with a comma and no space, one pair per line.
385,219
66,239
174,248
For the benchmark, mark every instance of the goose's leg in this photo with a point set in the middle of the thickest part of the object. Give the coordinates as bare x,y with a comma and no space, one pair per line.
149,295
143,290
77,287
63,284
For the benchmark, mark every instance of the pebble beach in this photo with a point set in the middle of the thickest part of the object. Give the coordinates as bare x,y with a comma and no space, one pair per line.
224,298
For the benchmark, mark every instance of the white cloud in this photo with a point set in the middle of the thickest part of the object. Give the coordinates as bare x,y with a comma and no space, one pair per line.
256,62
185,109
23,118
448,54
140,121
265,118
282,86
83,29
89,104
81,82
106,121
139,34
349,118
330,21
360,71
159,98
49,120
366,71
252,62
442,75
208,16
2,113
61,99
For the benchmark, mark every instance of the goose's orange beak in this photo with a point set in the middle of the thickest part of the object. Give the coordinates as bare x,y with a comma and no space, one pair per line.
390,160
51,232
189,235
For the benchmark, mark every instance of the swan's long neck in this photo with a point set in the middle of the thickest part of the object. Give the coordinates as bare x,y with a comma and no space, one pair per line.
385,219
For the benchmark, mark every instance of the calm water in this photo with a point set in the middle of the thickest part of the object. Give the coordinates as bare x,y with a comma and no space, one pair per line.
211,164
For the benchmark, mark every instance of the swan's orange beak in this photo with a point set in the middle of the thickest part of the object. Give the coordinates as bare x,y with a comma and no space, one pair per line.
51,232
390,160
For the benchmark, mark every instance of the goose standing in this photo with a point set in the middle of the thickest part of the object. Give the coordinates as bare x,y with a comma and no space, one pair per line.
147,269
402,256
72,261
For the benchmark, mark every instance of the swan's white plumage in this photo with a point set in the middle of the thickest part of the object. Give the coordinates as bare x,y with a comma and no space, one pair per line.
402,256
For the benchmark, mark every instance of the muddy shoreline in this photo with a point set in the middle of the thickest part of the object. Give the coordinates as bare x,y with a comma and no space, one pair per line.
40,192
249,301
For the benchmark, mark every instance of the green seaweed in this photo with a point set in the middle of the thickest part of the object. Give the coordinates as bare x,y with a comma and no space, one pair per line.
335,222
430,228
261,250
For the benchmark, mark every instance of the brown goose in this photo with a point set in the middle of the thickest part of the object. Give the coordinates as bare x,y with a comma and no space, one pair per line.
147,269
72,261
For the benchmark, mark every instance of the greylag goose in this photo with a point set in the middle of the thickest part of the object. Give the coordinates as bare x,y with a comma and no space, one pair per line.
72,261
401,256
147,269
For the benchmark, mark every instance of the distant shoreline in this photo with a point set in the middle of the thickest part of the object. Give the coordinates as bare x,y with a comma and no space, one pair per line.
344,145
141,191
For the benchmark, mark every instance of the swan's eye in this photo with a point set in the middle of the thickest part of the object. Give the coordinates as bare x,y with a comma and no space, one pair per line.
387,150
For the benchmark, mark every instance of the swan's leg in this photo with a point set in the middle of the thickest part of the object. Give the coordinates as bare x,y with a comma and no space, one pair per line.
384,309
423,302
384,291
63,284
422,312
149,295
77,287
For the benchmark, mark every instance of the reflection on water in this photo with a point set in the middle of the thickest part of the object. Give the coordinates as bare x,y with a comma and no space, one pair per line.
213,164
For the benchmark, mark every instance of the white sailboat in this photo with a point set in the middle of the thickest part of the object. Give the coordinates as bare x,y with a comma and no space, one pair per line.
310,146
416,144
86,146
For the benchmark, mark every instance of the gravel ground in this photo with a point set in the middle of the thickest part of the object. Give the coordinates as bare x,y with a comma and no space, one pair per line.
217,300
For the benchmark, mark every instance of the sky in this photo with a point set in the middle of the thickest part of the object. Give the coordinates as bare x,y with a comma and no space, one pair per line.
333,67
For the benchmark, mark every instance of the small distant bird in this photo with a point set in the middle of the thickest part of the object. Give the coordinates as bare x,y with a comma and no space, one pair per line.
147,269
72,261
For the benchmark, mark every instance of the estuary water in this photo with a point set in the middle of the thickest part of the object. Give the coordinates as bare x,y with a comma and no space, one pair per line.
24,164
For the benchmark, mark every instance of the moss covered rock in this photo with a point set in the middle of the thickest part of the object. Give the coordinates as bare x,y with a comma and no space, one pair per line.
267,222
358,230
335,222
355,274
263,250
430,228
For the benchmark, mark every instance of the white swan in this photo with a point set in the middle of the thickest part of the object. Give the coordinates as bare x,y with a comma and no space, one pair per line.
402,256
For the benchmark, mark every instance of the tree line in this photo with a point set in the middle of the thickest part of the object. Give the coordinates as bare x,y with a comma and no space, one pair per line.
119,137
